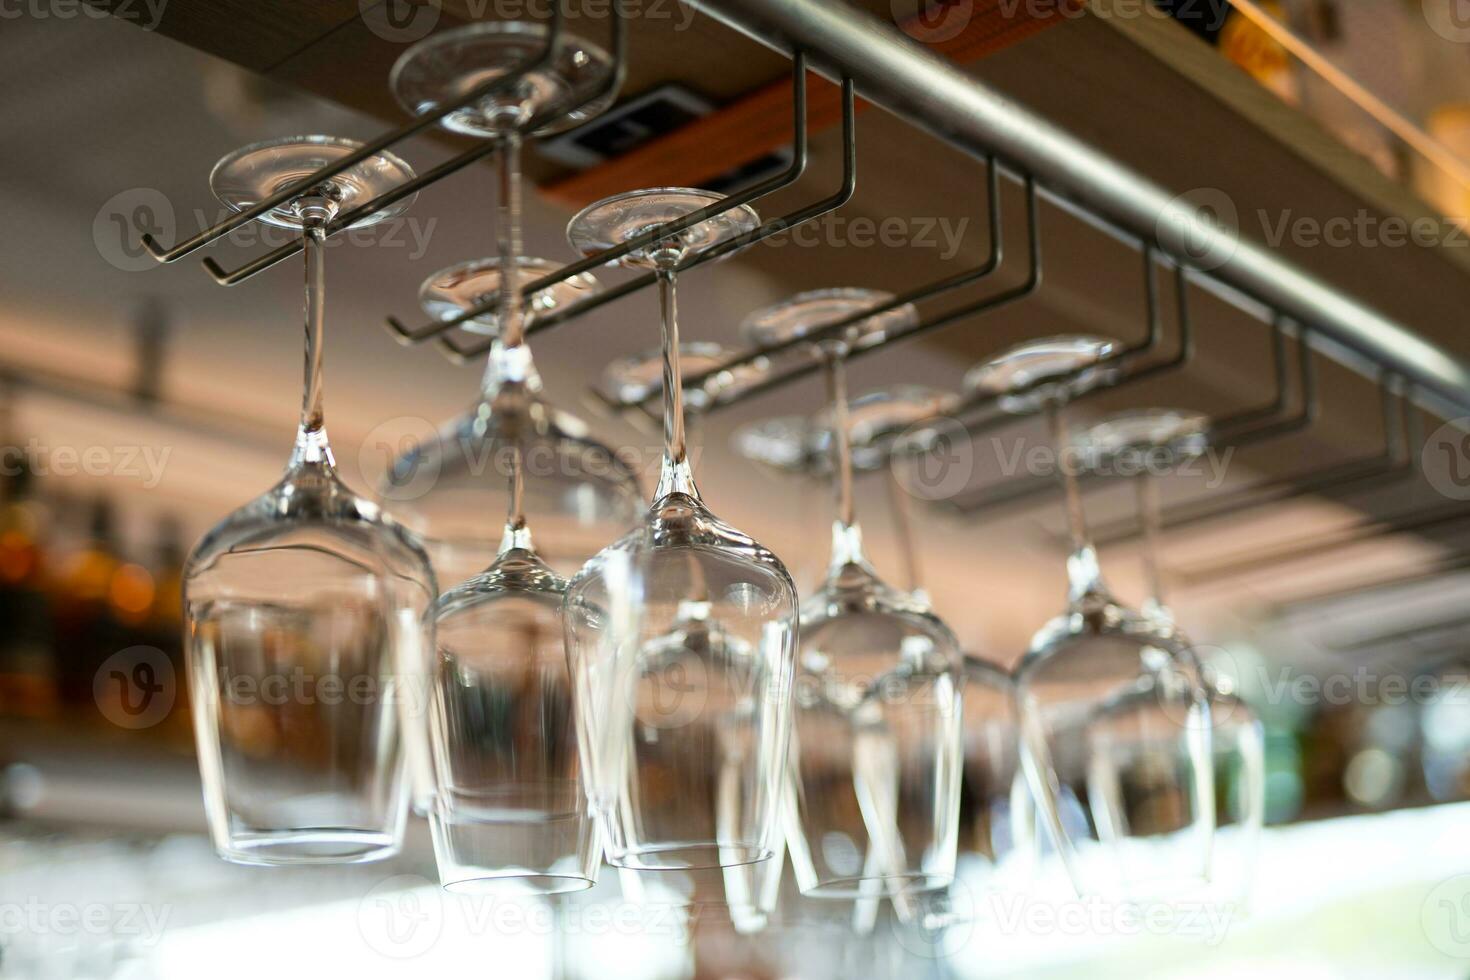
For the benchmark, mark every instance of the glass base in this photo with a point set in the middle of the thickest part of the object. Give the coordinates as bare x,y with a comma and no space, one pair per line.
631,379
511,883
614,220
452,291
1161,435
689,856
445,67
1030,365
915,883
806,313
786,442
315,845
253,173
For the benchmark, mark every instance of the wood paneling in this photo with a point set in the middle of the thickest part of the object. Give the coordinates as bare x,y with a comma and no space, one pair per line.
759,123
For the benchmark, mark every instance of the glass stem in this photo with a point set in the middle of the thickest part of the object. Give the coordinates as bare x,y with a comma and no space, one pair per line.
1146,492
676,476
847,537
311,437
1083,574
510,315
517,533
510,360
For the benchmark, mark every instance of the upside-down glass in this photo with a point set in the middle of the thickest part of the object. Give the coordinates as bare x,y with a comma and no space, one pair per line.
702,738
1140,444
1109,702
453,488
510,814
301,607
876,739
455,554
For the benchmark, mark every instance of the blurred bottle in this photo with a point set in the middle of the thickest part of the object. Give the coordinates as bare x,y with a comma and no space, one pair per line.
164,625
28,683
1258,54
85,629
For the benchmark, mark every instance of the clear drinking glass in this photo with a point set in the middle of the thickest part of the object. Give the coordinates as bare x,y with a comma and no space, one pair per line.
876,741
302,607
511,814
1111,703
1145,443
453,489
700,751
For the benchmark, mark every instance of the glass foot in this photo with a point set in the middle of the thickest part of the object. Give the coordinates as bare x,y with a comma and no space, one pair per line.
1161,435
445,67
614,220
805,313
784,443
450,292
637,376
253,173
1030,365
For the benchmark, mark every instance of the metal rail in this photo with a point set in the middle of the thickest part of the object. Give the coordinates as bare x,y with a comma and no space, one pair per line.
897,73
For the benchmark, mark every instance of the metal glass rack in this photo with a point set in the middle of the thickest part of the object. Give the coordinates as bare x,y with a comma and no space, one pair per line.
898,74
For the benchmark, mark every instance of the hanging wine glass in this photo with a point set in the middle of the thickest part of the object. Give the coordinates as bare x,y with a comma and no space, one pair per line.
510,815
876,733
1142,444
300,605
445,505
1077,688
702,746
452,489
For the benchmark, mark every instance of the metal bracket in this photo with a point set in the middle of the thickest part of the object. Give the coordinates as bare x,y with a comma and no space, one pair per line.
413,128
666,230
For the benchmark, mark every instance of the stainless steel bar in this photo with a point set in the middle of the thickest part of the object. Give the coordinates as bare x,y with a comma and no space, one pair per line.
901,75
919,294
443,170
1395,463
258,265
352,159
1003,298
